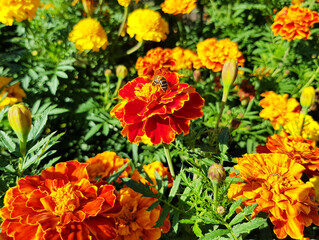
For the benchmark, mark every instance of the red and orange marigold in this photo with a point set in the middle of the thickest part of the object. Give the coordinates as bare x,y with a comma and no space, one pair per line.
147,109
155,60
184,58
294,22
61,203
273,181
213,54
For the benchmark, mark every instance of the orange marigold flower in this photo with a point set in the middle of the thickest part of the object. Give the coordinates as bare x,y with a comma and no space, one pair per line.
134,222
184,58
61,203
294,22
148,25
278,108
105,164
18,10
295,147
147,109
14,92
178,6
315,183
273,181
213,54
88,34
156,59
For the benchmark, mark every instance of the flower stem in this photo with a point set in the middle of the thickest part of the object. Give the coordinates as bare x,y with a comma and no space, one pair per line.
310,80
215,191
231,231
135,48
123,21
169,159
118,85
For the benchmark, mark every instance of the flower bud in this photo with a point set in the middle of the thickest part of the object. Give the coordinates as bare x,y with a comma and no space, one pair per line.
216,173
107,72
307,97
197,75
121,71
229,73
220,210
19,117
235,123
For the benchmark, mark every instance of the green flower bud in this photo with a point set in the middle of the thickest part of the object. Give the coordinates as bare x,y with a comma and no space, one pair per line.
121,71
220,210
307,97
19,117
216,173
229,73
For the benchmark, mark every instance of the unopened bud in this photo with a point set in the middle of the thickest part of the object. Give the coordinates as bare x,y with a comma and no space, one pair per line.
220,210
307,97
121,71
19,117
235,123
107,72
216,173
229,73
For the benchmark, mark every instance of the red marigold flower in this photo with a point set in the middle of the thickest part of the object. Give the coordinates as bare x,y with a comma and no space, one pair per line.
294,22
213,54
61,203
147,109
297,148
106,163
157,59
246,91
273,181
134,222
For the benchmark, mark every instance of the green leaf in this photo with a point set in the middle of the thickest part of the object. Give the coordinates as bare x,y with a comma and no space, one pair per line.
249,226
3,111
238,218
92,131
61,74
233,207
106,129
175,222
53,84
214,234
197,230
7,142
139,187
116,175
174,188
162,217
153,205
249,209
37,127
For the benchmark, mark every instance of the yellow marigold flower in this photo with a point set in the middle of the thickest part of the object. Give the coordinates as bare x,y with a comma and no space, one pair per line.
124,3
18,10
134,222
14,92
278,108
213,54
178,6
294,22
273,181
105,164
184,58
156,60
148,25
88,34
315,183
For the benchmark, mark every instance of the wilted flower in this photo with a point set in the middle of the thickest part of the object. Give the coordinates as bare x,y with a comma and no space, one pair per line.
235,123
14,93
178,6
155,60
216,173
307,97
148,25
294,22
106,163
273,181
18,10
134,222
147,109
58,204
246,91
19,117
88,34
213,54
184,58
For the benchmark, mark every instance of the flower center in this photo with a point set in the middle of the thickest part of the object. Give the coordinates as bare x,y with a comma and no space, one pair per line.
145,91
66,199
127,214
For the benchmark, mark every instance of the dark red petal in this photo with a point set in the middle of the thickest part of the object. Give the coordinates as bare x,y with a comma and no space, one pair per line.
134,131
134,111
193,108
179,125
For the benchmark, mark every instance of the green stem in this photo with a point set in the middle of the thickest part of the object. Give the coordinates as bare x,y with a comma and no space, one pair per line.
215,191
118,85
304,113
231,231
169,160
219,116
172,206
135,154
310,80
135,48
123,21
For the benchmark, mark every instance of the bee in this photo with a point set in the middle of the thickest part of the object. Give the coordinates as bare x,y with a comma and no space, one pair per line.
160,81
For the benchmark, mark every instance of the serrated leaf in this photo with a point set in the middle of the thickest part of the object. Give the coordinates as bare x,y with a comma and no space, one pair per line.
33,74
65,68
7,142
37,127
116,175
175,222
139,187
232,208
35,106
197,230
61,74
53,84
174,188
214,234
40,143
3,112
249,209
238,218
249,226
153,205
56,111
88,105
92,131
162,217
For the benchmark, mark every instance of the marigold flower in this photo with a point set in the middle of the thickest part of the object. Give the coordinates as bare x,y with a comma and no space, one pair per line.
246,91
58,204
184,58
297,2
88,34
105,164
148,25
213,54
315,183
294,22
134,222
147,109
155,60
18,10
273,181
14,92
178,6
278,108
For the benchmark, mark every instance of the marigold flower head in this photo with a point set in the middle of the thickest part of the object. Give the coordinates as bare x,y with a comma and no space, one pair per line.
184,58
148,25
88,34
278,108
134,222
246,91
14,92
155,60
18,10
58,204
178,6
294,22
273,181
213,54
147,109
105,164
315,183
